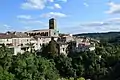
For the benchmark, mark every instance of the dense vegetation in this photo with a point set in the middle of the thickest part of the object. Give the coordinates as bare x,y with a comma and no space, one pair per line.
99,36
101,64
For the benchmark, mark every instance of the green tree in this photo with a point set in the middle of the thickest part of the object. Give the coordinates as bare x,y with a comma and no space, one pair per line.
30,45
51,49
64,66
5,75
30,67
5,57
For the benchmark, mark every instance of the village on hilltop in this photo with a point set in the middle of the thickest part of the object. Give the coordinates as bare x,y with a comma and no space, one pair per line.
20,41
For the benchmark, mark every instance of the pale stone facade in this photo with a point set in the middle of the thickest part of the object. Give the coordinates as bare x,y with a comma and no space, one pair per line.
63,49
6,41
21,41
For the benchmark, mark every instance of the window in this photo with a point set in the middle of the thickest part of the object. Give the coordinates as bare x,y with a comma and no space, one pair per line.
63,49
7,39
46,33
21,44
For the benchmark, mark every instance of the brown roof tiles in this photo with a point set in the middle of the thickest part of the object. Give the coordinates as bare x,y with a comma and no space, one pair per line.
13,35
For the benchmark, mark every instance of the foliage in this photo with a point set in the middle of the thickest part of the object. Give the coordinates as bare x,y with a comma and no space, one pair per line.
5,57
51,49
81,78
5,75
101,36
101,64
64,66
30,67
26,66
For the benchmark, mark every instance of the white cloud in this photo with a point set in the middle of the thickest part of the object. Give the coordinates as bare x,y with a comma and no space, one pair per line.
108,22
27,28
41,4
7,26
31,22
54,14
57,6
85,4
51,0
34,4
63,0
96,26
24,17
93,24
114,20
114,8
50,7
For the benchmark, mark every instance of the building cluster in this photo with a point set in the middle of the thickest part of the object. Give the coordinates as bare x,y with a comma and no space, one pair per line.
34,39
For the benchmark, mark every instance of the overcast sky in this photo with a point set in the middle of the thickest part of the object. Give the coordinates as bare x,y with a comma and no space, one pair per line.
73,16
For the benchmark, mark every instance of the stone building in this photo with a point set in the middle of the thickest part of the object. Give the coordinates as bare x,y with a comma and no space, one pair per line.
14,39
51,32
22,42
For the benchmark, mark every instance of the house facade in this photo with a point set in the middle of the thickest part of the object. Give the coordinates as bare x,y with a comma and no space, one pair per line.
24,41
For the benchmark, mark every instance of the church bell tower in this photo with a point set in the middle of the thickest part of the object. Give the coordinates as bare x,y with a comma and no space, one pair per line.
52,23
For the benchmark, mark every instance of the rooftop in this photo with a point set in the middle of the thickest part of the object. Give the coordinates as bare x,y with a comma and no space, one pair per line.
13,35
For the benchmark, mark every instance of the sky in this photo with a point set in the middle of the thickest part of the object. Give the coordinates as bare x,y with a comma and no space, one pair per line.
72,16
